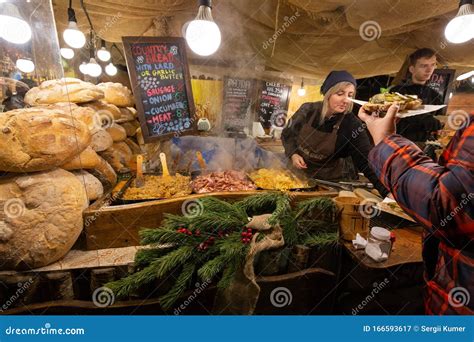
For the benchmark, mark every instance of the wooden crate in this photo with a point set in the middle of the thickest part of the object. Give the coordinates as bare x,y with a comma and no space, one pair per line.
108,226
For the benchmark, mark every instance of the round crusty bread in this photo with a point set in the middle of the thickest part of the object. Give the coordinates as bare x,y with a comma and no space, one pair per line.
41,218
127,115
101,140
37,139
84,114
131,127
91,161
105,109
133,146
117,132
119,156
92,185
63,90
117,94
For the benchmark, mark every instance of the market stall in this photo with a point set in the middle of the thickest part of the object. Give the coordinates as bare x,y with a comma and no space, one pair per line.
164,186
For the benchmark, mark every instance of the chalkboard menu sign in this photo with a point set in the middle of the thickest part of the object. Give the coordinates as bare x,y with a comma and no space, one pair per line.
272,102
441,81
237,110
159,73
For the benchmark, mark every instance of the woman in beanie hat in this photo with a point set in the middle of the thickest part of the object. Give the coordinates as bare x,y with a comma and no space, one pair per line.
321,134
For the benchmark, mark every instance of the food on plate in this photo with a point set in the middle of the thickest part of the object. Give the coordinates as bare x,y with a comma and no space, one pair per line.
274,179
222,181
159,187
380,103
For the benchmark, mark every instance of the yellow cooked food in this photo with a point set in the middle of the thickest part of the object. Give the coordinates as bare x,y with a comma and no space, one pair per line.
273,179
157,187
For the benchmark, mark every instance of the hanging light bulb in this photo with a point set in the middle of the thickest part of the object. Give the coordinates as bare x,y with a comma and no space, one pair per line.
13,28
111,69
202,34
25,65
461,28
103,54
450,96
465,75
93,68
302,90
472,80
67,53
72,35
83,68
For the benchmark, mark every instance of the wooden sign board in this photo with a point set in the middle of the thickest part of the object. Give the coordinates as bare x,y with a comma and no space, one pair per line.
441,81
159,75
273,101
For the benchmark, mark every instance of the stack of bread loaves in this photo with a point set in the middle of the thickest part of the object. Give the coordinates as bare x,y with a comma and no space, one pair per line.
71,127
120,122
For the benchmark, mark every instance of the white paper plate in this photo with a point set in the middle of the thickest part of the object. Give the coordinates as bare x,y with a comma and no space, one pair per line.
408,113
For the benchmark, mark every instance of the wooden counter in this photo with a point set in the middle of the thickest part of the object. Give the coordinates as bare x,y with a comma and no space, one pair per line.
406,249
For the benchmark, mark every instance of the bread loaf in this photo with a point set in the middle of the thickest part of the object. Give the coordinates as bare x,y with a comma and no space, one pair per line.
63,90
92,185
117,132
119,156
41,218
36,139
92,162
126,116
105,109
84,114
131,127
117,94
133,146
101,140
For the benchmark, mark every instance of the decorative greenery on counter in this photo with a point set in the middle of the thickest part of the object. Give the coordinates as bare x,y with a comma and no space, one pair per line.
213,243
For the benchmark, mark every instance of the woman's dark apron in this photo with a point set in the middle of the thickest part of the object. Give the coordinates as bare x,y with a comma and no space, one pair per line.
318,148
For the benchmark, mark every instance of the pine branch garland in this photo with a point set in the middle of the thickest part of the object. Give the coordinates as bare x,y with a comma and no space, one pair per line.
162,236
322,204
145,256
322,239
173,259
181,284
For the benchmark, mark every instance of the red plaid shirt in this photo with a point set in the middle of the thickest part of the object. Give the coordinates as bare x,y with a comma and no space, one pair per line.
441,197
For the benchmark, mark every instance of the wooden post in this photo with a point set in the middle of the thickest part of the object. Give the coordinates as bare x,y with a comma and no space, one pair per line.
60,286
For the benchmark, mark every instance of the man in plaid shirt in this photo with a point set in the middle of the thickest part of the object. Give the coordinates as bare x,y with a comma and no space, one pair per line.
440,197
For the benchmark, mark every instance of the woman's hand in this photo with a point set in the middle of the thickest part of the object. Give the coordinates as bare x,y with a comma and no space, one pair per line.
298,161
380,128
